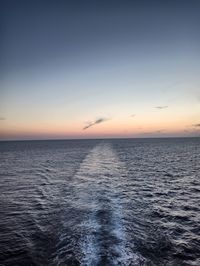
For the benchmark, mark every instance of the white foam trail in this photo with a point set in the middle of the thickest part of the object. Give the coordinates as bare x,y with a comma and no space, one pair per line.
98,190
89,244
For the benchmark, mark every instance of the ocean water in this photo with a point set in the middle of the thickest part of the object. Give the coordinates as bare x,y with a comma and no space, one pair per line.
100,202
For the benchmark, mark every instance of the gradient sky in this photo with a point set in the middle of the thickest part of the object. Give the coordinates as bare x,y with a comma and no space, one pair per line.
90,69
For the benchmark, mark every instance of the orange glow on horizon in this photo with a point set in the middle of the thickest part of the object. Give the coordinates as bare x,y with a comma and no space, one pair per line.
110,128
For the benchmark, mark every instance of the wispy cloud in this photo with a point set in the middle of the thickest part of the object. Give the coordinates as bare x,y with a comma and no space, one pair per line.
2,118
154,132
97,121
160,131
196,125
161,107
133,115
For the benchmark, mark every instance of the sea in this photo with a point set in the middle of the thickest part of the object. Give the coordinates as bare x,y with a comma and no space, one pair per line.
100,202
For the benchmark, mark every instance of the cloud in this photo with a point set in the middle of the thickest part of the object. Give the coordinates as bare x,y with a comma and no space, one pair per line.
2,118
160,131
161,107
153,132
97,121
196,125
133,115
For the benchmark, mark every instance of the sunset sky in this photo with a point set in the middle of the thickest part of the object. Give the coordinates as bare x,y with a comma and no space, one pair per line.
95,69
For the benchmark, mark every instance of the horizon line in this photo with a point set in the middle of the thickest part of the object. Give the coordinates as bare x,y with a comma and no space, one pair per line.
64,139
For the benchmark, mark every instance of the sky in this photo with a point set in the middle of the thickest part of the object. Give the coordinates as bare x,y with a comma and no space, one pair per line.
99,69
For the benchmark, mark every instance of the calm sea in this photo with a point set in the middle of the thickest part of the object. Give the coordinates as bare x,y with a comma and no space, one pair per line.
100,202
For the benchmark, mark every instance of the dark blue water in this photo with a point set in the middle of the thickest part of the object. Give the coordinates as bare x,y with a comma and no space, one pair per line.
100,202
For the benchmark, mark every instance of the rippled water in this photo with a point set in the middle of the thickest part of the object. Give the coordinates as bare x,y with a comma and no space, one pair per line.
100,202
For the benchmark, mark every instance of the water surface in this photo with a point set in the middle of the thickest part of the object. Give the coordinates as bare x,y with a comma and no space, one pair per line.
100,202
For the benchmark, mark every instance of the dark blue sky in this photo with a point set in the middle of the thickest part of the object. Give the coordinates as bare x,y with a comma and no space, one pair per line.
38,32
